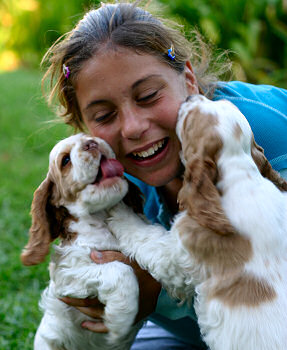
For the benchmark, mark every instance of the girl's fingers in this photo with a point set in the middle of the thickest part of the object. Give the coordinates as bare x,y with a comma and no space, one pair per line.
106,256
97,327
82,302
92,312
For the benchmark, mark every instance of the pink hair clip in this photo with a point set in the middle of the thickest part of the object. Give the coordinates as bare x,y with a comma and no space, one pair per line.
66,71
171,53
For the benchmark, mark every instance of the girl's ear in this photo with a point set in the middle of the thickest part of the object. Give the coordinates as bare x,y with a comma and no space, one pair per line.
190,79
39,235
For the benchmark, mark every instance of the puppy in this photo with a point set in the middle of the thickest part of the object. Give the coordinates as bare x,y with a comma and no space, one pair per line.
83,182
229,243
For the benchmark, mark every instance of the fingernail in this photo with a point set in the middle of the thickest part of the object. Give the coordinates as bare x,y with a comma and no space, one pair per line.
95,324
97,255
84,325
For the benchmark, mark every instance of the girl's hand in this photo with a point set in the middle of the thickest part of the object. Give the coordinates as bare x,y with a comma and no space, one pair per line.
92,308
149,292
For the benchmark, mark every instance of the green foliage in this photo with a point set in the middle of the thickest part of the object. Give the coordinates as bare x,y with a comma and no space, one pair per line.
255,31
32,26
25,142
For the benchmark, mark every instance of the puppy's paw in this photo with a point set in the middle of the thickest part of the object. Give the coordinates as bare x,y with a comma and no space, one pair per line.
117,218
123,222
119,211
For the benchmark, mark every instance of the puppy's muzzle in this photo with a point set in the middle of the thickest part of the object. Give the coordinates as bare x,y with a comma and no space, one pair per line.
90,146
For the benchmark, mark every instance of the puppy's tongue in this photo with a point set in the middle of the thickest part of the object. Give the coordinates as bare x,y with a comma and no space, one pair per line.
111,168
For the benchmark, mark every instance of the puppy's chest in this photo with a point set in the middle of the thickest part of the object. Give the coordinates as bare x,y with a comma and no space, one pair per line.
88,235
93,234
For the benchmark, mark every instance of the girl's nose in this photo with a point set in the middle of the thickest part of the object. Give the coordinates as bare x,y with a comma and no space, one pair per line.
134,123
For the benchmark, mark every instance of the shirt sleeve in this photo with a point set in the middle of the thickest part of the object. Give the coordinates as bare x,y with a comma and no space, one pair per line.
265,108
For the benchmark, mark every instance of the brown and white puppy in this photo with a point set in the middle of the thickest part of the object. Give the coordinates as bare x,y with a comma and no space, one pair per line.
229,243
84,180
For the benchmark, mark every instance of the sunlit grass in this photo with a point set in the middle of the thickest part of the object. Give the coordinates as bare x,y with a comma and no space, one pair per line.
25,142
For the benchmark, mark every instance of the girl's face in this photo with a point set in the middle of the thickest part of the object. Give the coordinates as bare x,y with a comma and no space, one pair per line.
131,100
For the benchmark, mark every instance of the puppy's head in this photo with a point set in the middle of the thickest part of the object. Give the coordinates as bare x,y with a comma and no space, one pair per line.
201,145
86,174
234,130
84,177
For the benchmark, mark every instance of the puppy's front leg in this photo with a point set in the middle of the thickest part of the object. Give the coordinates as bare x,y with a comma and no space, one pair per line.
155,249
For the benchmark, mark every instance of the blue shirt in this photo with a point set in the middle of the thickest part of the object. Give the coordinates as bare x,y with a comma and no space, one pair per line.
265,107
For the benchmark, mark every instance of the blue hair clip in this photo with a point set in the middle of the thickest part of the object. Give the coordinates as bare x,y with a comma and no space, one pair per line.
171,53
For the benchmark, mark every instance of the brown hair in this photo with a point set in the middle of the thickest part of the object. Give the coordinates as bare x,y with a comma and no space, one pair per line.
126,25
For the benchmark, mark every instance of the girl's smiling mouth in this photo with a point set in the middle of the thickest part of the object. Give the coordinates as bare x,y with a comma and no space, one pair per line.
151,152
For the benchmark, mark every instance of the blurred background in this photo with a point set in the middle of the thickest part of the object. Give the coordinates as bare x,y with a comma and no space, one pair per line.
255,31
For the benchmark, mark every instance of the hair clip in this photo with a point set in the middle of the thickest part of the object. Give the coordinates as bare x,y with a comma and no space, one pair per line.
171,53
66,71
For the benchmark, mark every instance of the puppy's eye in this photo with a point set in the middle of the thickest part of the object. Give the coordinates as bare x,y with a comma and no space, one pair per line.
66,160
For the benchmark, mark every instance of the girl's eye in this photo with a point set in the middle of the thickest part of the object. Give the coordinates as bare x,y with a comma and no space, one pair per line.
148,97
66,160
104,118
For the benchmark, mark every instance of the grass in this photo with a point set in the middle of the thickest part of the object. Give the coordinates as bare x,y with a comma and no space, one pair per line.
25,142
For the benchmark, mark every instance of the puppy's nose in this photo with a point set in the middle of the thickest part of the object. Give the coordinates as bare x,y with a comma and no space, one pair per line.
90,146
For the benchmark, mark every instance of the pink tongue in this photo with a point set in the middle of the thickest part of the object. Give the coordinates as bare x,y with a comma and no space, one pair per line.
111,168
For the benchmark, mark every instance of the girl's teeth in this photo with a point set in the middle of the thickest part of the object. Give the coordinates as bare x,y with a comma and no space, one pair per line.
150,151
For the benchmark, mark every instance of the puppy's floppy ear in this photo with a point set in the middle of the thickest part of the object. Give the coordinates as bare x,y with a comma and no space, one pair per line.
265,167
134,198
200,197
39,235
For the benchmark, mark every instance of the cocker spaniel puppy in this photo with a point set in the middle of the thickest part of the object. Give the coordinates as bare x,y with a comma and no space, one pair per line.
229,242
83,182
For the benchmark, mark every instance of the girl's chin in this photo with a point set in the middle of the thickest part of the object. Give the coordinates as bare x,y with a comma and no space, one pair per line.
160,177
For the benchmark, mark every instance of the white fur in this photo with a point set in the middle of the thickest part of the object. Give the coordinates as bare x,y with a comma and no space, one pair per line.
256,209
72,271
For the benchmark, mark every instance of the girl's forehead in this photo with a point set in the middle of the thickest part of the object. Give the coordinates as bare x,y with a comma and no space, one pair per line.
119,53
121,65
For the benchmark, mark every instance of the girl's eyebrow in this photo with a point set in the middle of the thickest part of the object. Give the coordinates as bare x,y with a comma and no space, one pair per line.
95,102
143,80
134,86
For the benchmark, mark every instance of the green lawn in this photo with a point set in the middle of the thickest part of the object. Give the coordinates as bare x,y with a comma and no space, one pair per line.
25,141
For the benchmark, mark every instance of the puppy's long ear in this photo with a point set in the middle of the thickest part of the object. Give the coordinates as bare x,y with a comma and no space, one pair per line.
200,197
39,234
134,198
265,167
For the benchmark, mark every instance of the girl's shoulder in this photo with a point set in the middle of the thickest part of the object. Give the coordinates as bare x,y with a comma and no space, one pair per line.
265,108
268,95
